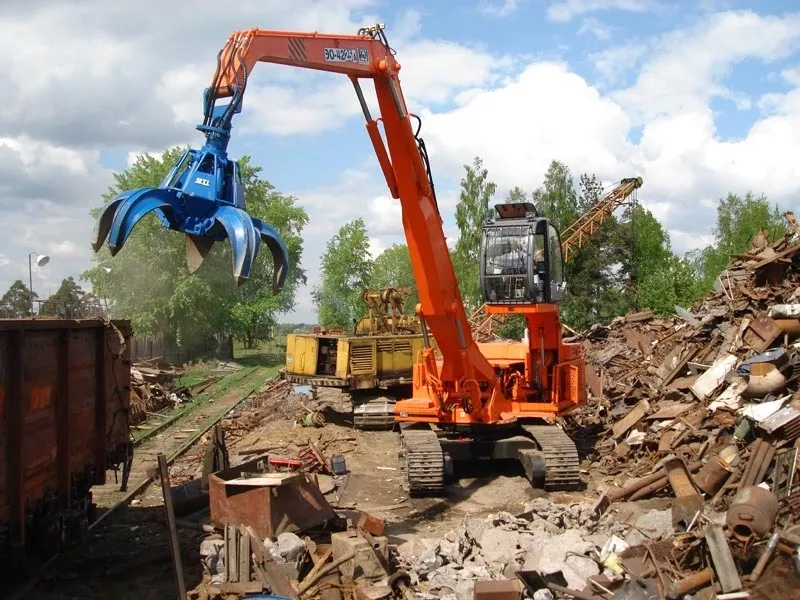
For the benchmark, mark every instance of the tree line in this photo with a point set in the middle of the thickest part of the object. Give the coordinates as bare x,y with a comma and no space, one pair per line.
69,302
628,264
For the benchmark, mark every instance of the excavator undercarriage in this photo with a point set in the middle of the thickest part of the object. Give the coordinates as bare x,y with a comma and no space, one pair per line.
548,455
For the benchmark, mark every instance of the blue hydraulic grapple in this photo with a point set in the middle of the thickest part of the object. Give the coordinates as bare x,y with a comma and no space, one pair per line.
203,197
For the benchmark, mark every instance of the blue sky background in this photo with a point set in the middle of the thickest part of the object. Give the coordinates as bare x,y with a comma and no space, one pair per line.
699,98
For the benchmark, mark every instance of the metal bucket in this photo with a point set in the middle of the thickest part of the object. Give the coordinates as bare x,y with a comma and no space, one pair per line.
338,465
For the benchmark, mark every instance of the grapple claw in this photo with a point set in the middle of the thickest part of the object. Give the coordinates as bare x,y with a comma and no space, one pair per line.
280,255
241,233
132,209
203,197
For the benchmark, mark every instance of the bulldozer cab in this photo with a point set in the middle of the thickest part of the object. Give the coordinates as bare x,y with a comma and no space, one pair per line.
521,261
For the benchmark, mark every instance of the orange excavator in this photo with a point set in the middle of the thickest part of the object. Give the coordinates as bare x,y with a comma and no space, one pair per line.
473,401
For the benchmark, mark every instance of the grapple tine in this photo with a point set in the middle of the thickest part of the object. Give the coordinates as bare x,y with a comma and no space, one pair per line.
280,255
197,248
131,211
103,224
239,227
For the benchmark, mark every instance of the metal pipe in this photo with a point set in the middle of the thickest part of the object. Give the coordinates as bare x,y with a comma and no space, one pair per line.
764,559
680,588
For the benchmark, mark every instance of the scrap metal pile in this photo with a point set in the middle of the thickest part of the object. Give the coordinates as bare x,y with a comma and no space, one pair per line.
153,389
703,409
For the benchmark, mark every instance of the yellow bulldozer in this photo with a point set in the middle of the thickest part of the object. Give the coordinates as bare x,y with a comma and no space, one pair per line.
372,363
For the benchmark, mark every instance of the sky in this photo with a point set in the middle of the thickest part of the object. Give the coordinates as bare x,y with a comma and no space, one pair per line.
698,98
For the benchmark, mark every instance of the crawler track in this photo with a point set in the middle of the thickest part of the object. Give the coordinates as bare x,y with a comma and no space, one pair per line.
422,460
373,412
562,465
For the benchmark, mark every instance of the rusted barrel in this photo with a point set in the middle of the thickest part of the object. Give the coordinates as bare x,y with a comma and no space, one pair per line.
712,475
752,512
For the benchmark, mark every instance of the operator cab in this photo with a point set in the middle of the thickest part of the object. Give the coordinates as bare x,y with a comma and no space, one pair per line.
521,260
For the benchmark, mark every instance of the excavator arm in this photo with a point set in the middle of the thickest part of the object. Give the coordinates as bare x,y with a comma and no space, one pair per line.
402,159
401,155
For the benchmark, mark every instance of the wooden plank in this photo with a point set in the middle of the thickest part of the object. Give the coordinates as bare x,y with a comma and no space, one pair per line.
266,480
270,572
620,428
722,558
231,554
244,559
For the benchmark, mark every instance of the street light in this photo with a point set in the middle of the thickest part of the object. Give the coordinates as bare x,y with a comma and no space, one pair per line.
41,260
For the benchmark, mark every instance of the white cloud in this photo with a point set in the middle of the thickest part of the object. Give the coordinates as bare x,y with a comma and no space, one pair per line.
565,10
688,67
615,62
685,164
385,216
4,260
376,246
501,8
518,130
595,28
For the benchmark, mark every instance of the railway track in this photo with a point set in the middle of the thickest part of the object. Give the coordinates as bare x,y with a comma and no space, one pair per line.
173,440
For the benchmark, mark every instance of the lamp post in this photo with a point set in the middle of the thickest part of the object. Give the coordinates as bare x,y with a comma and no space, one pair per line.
41,260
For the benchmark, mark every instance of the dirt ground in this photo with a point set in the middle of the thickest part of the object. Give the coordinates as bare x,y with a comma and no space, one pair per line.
128,556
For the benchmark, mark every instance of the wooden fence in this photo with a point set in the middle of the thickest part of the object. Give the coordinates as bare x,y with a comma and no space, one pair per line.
145,347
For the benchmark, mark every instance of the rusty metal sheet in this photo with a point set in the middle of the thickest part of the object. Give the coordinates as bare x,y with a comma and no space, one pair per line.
63,397
638,340
761,333
594,380
269,510
670,412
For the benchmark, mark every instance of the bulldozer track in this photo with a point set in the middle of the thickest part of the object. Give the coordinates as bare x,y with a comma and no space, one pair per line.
562,465
422,460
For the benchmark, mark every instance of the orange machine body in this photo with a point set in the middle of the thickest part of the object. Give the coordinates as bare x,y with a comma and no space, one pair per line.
467,384
541,379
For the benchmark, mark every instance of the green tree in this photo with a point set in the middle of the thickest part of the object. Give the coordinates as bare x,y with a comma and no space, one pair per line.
346,270
16,302
517,194
148,281
472,211
739,220
592,292
673,283
556,198
68,302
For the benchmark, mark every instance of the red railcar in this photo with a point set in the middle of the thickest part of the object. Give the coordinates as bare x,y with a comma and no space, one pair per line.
64,406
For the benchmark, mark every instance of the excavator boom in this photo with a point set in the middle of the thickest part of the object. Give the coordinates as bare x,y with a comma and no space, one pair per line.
404,166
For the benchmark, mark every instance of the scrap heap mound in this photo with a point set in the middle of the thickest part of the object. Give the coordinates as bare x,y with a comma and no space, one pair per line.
725,372
700,415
